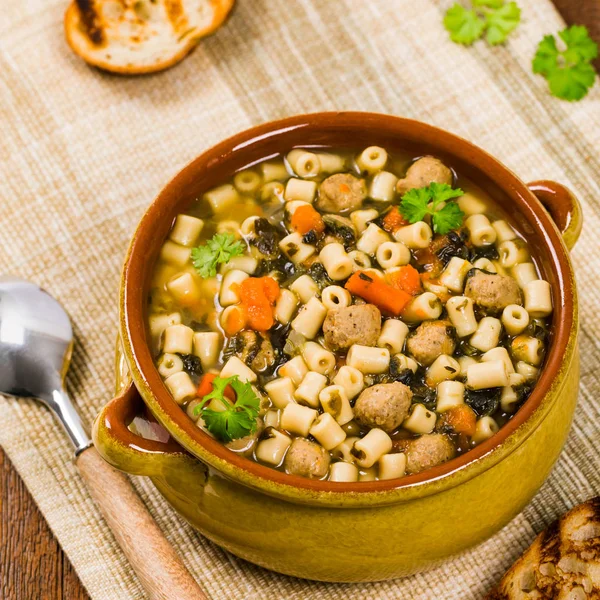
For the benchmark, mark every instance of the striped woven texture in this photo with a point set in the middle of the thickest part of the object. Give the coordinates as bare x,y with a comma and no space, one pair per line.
82,154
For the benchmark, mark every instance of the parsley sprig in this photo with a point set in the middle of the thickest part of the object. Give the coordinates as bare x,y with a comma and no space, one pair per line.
569,71
419,202
238,419
494,17
220,249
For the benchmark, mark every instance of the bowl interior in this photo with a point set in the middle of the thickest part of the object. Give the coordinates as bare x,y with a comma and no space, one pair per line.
341,130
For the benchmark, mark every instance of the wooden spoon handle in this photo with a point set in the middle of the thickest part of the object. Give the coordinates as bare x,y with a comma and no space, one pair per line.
158,567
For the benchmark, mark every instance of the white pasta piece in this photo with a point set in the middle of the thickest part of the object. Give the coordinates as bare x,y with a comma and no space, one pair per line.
309,320
444,367
295,369
304,163
393,335
453,276
392,466
369,474
392,254
499,353
415,236
515,319
273,449
305,288
186,230
334,401
309,389
272,191
300,189
178,339
371,238
317,358
298,419
367,359
331,163
335,296
359,259
406,362
368,450
485,428
465,362
351,380
229,226
233,314
175,254
327,431
271,418
184,288
229,292
181,387
485,264
538,298
481,233
234,366
295,249
383,186
343,471
206,346
420,420
293,206
169,364
221,198
441,291
498,268
504,232
343,451
471,205
272,171
450,394
528,371
372,159
509,397
281,391
247,182
361,218
490,374
462,315
247,264
423,307
528,349
247,227
285,307
159,322
487,335
524,273
336,261
512,253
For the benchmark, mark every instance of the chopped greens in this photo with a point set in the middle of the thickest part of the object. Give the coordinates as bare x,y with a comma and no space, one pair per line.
569,72
236,420
220,249
419,202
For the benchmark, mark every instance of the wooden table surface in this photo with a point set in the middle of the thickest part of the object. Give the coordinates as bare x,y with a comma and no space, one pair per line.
32,564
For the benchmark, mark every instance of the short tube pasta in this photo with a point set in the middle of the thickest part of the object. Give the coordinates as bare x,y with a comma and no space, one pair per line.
186,230
300,189
175,254
247,182
392,254
538,298
383,186
485,264
509,397
295,249
504,232
221,198
392,466
343,472
327,432
361,218
234,366
515,319
371,239
471,205
360,260
443,367
206,346
528,349
305,288
372,159
453,276
184,288
285,307
336,261
309,389
310,318
526,370
487,335
331,163
393,335
178,339
499,353
487,375
462,315
317,358
423,307
450,394
367,359
420,420
481,233
272,448
298,419
247,264
272,171
334,401
415,236
335,296
485,428
524,273
304,163
512,253
295,369
229,294
368,450
169,364
406,362
351,380
181,387
280,391
344,450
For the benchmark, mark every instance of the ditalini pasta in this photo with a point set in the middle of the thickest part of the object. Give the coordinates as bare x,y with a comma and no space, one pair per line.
336,315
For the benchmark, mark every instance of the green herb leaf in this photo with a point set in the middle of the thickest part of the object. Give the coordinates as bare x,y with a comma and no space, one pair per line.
464,25
569,72
501,22
220,249
488,3
239,418
419,202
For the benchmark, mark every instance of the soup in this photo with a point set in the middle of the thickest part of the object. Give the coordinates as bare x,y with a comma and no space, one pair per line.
348,316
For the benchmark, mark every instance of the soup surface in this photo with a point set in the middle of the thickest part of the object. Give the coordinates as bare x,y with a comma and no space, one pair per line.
348,316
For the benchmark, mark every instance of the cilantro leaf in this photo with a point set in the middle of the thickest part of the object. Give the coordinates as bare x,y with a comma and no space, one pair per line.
464,25
220,249
569,72
419,202
501,22
238,419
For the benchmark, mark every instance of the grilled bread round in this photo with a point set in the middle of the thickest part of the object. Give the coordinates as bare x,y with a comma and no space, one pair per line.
140,36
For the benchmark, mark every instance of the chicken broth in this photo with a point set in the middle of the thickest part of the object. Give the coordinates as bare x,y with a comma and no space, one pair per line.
348,316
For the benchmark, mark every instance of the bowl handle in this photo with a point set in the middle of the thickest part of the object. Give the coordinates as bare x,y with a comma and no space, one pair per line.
563,206
132,453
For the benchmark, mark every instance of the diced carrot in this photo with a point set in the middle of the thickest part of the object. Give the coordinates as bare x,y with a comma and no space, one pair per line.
387,298
257,296
462,419
406,278
206,387
393,220
236,321
305,219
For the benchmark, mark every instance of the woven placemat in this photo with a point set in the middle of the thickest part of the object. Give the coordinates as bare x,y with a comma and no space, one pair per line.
83,153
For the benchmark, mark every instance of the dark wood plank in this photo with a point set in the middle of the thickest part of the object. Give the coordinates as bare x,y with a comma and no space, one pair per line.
32,565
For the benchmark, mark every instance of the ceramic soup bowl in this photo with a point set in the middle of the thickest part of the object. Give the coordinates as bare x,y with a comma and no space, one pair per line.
361,531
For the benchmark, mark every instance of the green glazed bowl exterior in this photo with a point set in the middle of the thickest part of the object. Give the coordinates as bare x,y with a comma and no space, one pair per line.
345,532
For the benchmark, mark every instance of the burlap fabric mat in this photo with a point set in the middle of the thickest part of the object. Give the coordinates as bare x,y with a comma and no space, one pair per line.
83,153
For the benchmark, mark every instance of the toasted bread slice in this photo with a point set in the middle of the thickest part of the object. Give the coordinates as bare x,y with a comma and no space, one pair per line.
563,563
140,36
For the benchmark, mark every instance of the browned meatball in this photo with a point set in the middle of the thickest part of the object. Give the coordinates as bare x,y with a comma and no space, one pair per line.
492,292
430,340
427,451
307,459
422,172
384,406
350,325
255,350
340,193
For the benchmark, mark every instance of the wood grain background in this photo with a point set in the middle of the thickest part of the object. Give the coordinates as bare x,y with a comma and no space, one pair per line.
32,565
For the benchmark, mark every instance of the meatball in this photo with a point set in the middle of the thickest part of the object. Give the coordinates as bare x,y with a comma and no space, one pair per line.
427,451
340,193
350,325
254,350
384,406
307,459
492,292
430,340
422,172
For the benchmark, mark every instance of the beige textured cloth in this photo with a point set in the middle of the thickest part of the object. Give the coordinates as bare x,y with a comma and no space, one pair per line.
83,153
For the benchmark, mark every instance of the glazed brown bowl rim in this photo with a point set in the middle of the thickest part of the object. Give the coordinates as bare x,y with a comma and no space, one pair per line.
212,452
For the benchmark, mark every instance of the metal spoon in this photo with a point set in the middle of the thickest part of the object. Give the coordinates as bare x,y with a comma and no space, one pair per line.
36,341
